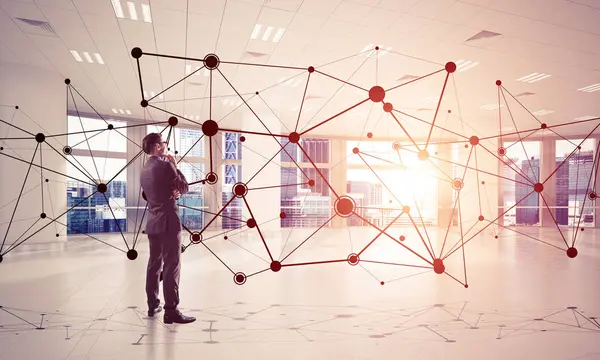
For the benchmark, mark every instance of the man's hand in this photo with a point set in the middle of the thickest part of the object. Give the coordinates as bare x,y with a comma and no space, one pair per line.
171,159
176,194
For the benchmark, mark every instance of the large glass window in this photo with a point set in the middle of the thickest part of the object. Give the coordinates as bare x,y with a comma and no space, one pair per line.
102,140
521,170
573,184
94,215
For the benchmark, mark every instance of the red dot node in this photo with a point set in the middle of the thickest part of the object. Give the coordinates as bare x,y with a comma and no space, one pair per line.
388,107
294,137
239,278
483,183
376,47
211,178
282,215
402,237
344,206
423,155
376,94
571,252
196,238
466,286
592,195
311,183
355,150
251,223
538,187
450,67
382,283
353,259
406,209
396,146
501,151
438,266
225,237
498,82
242,138
457,184
495,237
473,140
370,135
311,69
481,218
240,189
275,266
544,126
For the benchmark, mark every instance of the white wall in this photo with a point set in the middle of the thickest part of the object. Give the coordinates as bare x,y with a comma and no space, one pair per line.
41,97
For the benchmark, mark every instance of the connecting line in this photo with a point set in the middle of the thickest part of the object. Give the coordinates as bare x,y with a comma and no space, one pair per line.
455,205
84,171
25,232
88,235
413,80
258,272
18,317
315,262
397,264
190,149
571,154
430,251
302,103
218,258
264,65
519,135
478,191
467,233
554,219
210,153
491,222
524,176
16,127
549,127
115,218
140,77
86,139
265,165
391,237
218,213
318,171
211,213
43,227
20,194
529,236
432,124
258,228
334,116
525,137
252,132
437,110
380,233
530,113
500,115
310,236
406,132
277,186
125,167
174,114
42,177
340,80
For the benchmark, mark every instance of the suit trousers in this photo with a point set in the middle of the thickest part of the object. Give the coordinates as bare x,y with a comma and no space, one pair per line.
164,249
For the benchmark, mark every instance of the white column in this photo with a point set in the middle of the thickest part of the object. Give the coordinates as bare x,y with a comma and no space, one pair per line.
337,177
548,166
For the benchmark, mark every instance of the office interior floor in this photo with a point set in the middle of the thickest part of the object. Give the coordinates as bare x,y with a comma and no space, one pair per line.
81,299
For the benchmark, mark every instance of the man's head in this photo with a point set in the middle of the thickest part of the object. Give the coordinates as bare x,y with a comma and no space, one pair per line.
153,144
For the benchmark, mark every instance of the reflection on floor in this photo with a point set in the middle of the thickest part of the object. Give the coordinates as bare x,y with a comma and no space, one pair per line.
525,300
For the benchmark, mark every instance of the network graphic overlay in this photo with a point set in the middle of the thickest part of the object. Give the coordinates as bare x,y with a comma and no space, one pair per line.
428,255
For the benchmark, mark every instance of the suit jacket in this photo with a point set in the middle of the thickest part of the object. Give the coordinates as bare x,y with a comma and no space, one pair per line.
158,180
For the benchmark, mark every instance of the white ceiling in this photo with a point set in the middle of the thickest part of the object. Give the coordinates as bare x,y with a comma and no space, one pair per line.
556,37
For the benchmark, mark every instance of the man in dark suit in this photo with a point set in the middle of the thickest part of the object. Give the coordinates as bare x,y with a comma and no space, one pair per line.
162,184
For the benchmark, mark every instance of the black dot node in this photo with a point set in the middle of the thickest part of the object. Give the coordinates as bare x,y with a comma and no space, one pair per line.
210,128
67,150
111,126
102,188
40,137
240,189
144,103
132,254
136,52
311,69
211,61
43,215
196,238
67,81
239,278
571,252
211,178
173,121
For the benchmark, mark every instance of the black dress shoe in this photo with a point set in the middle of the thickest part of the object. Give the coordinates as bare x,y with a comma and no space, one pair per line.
156,310
175,316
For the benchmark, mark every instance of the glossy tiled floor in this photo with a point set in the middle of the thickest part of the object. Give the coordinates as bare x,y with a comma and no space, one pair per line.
526,300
